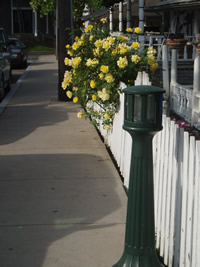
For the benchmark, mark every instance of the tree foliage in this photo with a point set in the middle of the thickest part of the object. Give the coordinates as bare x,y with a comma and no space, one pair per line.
47,6
43,6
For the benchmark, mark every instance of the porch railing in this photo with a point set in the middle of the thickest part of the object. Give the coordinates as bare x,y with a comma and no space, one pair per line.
181,100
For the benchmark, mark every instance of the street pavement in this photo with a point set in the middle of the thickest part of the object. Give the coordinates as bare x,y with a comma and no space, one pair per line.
62,201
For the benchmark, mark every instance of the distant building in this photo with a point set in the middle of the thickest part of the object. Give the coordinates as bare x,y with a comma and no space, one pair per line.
17,17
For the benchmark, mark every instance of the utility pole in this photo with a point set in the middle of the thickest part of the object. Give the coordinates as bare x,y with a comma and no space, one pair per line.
64,30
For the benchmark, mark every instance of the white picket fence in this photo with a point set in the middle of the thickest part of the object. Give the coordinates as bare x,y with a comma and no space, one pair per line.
177,192
176,158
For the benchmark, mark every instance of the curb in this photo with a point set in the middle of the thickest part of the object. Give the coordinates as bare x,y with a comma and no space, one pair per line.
13,90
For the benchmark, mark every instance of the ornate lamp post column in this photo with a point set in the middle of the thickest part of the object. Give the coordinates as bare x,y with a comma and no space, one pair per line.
142,119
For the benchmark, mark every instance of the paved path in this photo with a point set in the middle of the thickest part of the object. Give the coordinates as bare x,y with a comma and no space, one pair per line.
61,200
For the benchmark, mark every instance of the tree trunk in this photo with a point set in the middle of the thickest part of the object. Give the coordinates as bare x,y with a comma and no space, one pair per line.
64,30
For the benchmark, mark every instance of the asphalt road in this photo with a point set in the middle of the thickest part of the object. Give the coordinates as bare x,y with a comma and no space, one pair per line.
16,73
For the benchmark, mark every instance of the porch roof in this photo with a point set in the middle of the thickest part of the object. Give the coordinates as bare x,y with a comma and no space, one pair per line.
168,4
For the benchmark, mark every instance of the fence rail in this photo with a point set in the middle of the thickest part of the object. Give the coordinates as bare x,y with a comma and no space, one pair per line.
176,157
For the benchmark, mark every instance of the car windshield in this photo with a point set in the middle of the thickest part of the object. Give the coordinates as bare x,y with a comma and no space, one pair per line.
16,44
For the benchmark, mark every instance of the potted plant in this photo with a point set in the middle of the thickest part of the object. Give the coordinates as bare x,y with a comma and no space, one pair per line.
176,41
196,43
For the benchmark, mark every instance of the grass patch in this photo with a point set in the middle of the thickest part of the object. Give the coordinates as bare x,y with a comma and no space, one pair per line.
38,48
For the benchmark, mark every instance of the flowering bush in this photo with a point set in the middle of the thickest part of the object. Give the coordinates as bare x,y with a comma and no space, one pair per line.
99,61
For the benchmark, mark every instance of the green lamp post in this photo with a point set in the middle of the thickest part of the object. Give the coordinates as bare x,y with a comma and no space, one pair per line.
142,119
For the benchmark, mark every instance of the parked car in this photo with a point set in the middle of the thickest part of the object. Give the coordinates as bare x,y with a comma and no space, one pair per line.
18,53
5,64
5,75
4,43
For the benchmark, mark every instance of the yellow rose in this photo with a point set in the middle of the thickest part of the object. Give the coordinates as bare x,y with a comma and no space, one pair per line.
80,42
107,116
96,52
104,20
75,99
122,62
120,37
94,98
114,52
75,88
76,61
135,45
80,115
75,46
129,30
138,30
91,62
90,27
76,38
135,58
123,48
67,79
104,95
109,78
67,46
106,45
151,51
64,85
86,30
104,68
101,76
154,67
69,94
92,84
111,39
66,61
70,53
151,60
98,43
91,38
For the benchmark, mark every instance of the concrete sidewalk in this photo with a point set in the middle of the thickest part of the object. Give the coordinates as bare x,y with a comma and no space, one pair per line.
61,199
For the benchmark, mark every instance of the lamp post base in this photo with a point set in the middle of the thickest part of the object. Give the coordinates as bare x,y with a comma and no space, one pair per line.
128,260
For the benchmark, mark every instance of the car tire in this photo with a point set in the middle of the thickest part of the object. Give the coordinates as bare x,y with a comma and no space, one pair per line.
2,88
7,89
25,64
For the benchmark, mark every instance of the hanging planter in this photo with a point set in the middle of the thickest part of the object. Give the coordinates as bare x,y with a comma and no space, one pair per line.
175,41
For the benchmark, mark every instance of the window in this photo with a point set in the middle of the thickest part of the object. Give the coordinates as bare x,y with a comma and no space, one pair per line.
23,21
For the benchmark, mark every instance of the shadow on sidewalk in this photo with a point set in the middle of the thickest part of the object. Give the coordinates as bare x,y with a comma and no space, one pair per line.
58,210
20,120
